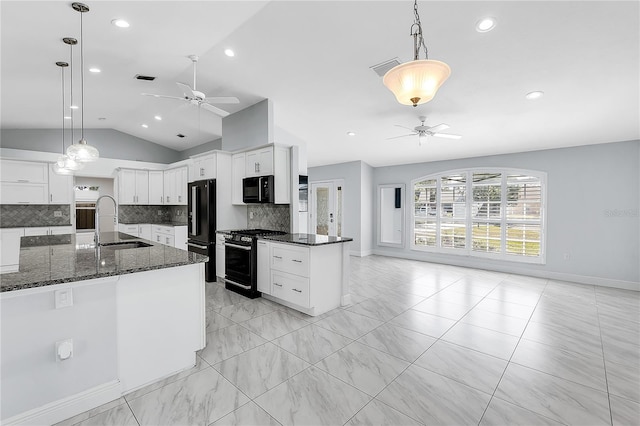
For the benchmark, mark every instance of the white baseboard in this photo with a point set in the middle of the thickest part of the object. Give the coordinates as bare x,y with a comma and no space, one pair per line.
73,405
516,269
360,253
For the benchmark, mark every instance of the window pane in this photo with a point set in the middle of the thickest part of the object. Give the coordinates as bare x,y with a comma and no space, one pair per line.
424,233
487,195
425,198
453,197
486,237
453,235
524,197
523,239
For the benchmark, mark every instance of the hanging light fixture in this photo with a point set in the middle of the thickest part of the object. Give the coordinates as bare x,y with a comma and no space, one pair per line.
66,165
416,82
82,152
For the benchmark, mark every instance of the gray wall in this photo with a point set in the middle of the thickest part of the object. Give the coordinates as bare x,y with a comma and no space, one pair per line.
366,208
353,211
253,126
593,201
208,146
111,144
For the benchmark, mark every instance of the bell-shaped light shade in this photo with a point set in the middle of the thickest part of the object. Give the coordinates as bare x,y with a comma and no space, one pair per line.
416,82
82,152
66,166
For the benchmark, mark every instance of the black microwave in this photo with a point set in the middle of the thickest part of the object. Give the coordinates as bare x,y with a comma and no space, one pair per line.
258,189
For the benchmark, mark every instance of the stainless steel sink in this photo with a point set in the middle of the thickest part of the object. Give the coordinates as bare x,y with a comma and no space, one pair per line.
126,245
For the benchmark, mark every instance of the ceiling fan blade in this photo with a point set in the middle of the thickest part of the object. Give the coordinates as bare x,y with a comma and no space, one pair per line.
438,127
223,100
186,90
162,96
446,135
402,136
215,110
408,128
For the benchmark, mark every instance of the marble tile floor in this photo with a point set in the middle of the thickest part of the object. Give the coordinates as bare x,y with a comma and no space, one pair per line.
455,346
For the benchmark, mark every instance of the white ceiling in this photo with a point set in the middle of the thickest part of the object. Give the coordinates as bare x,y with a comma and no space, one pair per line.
313,59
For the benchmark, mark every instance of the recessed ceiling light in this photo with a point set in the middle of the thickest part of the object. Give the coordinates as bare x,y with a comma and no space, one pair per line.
157,117
121,23
351,134
485,24
95,70
74,107
534,95
230,53
145,126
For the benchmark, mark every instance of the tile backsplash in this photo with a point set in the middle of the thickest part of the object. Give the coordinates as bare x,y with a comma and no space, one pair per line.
152,214
269,216
12,216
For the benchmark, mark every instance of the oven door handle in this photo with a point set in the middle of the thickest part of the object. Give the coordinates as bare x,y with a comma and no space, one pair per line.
197,246
235,246
248,287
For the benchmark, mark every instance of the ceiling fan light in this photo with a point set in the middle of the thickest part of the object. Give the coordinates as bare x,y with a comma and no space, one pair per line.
82,152
416,82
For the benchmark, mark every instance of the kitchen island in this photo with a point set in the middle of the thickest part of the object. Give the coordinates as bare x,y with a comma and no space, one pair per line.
83,325
306,272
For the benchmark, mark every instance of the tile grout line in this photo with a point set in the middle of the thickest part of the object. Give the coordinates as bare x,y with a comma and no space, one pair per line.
604,360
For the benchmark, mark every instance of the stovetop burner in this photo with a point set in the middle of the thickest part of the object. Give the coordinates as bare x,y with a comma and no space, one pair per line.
256,232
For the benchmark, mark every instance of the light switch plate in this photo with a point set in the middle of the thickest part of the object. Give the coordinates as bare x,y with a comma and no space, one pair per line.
64,298
57,213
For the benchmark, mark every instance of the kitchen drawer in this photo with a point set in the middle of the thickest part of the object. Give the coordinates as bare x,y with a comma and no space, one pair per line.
291,259
162,229
289,287
128,229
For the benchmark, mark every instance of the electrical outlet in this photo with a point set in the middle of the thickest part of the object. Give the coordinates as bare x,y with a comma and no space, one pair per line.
63,298
250,215
57,213
159,212
567,256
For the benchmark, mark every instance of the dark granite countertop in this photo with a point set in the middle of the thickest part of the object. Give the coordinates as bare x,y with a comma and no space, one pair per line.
156,223
55,259
35,226
306,239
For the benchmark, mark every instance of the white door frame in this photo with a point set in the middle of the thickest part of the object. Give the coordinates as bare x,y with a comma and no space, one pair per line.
332,185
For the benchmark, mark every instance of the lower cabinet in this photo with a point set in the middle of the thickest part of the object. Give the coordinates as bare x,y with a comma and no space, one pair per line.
47,230
264,270
163,235
290,287
10,245
220,259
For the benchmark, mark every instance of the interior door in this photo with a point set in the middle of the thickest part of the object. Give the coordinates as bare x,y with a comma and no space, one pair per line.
325,210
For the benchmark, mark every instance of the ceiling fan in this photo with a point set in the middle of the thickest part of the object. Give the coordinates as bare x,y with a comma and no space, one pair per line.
423,131
198,98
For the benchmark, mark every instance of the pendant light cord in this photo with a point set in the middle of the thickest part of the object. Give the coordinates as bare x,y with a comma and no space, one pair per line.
416,32
81,77
71,84
62,72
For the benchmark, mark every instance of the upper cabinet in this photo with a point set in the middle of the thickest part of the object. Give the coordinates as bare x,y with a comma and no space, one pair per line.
203,167
156,187
133,186
259,162
175,186
28,182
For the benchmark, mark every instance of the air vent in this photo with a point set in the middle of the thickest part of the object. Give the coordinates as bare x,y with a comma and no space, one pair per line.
180,135
382,68
144,77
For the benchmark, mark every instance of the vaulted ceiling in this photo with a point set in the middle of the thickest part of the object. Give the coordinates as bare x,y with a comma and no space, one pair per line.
313,59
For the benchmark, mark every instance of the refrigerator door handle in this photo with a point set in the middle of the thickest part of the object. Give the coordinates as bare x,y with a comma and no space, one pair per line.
195,202
259,189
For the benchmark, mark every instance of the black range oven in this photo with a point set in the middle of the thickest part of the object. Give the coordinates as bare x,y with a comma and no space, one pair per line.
241,260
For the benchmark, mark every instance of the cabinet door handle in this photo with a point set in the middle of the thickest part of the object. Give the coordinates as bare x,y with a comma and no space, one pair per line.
179,198
297,291
50,197
278,257
276,284
23,180
161,199
296,260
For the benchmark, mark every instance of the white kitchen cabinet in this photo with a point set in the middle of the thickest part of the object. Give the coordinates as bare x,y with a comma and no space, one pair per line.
238,172
133,186
24,193
156,187
24,171
47,230
220,268
60,187
263,278
180,237
129,229
174,236
259,162
144,231
203,167
10,246
175,186
291,288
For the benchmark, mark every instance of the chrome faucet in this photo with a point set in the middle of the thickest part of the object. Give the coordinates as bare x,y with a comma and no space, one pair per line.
96,237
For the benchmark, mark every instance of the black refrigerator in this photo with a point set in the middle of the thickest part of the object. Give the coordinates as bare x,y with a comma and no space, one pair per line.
202,223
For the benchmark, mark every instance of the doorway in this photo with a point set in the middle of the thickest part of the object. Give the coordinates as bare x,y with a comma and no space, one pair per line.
325,207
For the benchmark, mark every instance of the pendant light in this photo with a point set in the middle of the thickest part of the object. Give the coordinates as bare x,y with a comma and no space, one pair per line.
66,165
416,82
82,152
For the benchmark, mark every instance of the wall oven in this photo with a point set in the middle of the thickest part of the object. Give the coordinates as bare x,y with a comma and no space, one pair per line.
85,216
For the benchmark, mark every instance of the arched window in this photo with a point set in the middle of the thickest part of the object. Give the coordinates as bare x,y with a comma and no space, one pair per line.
495,213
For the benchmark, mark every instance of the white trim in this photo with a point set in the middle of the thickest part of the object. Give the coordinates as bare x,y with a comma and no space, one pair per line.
360,253
514,268
70,406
